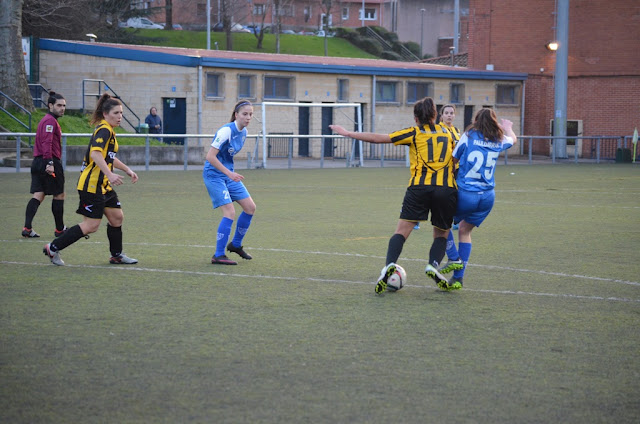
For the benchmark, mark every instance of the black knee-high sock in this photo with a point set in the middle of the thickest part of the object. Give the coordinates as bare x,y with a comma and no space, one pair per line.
57,208
115,240
438,249
32,208
71,236
396,242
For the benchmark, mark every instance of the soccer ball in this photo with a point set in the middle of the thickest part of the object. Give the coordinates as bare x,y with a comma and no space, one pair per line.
397,280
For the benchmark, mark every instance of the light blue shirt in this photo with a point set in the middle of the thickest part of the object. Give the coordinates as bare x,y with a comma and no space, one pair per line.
229,140
478,158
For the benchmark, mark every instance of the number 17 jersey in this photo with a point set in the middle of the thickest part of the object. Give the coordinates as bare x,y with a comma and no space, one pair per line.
478,158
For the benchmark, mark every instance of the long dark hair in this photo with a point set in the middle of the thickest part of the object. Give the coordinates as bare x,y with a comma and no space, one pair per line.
486,122
237,107
104,106
54,97
425,111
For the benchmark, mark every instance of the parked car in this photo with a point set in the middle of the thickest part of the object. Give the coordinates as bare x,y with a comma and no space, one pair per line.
255,29
141,23
234,28
176,27
288,31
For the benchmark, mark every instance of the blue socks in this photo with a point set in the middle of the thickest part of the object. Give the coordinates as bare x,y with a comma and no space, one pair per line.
224,230
244,220
452,252
465,253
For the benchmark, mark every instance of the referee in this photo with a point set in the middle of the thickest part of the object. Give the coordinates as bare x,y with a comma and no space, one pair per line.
47,175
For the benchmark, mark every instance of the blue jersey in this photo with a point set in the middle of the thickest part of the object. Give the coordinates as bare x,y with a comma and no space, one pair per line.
229,141
478,158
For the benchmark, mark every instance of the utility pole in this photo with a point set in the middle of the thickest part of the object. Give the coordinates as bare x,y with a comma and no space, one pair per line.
560,79
456,26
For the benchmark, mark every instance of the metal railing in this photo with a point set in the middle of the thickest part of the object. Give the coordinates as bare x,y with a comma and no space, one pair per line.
19,106
338,151
404,52
36,95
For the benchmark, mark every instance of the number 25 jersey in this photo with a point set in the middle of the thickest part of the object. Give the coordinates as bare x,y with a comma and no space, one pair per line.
478,158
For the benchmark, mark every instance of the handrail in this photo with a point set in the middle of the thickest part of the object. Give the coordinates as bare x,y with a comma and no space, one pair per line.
19,106
37,100
107,88
404,52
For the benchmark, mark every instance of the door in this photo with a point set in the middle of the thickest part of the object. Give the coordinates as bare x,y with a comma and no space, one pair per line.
468,116
303,129
327,119
174,118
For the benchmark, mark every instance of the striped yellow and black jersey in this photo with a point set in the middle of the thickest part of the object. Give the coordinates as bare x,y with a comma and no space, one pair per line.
92,179
430,153
455,133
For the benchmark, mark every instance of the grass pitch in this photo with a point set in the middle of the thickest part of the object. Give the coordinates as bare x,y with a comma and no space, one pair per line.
545,329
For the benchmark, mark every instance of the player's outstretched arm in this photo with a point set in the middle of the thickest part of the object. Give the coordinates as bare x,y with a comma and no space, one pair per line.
507,127
364,136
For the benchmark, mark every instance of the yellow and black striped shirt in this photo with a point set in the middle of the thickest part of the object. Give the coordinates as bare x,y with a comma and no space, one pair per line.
92,179
430,154
455,133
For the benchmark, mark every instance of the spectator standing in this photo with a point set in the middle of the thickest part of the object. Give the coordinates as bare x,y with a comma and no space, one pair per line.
154,121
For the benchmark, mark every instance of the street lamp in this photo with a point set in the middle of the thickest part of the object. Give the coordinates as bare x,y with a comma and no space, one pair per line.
421,32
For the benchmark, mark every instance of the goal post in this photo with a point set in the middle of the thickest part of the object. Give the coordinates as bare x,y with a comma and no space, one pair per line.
289,122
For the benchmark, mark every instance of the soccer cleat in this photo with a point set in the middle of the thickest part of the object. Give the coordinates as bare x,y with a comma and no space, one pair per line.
455,283
122,259
451,266
61,232
222,260
441,280
387,272
29,233
239,251
53,256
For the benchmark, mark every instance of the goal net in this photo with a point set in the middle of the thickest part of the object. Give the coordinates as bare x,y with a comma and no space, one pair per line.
301,131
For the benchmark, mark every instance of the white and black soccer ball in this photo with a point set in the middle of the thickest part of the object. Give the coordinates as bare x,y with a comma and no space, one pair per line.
397,280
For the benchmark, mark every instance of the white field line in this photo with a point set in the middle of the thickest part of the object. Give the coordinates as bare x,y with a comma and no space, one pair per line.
359,255
315,280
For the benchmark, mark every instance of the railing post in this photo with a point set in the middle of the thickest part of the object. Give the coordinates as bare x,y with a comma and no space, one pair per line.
64,152
186,152
18,141
290,154
530,150
147,153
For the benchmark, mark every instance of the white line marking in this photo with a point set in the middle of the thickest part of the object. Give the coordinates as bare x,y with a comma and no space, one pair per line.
359,255
317,280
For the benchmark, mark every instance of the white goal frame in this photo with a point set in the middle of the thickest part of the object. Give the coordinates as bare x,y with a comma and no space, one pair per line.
263,134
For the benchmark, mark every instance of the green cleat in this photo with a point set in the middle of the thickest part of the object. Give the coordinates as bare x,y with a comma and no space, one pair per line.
451,266
441,280
387,271
455,283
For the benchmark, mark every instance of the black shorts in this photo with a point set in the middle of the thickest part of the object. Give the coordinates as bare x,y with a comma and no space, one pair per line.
440,201
92,205
43,182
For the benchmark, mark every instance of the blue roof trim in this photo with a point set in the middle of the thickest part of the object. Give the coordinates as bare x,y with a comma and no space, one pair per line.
118,53
270,65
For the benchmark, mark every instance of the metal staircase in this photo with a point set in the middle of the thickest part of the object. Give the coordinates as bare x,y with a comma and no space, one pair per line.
99,87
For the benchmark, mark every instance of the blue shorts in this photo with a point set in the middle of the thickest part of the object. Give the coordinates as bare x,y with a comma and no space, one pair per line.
222,189
474,206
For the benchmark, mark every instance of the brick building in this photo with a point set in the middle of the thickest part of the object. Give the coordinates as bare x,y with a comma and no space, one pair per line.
603,67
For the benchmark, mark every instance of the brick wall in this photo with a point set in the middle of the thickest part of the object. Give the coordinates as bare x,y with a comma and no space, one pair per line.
604,58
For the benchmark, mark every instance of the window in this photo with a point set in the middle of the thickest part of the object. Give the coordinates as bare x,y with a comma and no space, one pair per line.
386,92
343,90
307,13
214,85
506,95
258,9
418,90
345,13
456,96
369,14
246,86
280,88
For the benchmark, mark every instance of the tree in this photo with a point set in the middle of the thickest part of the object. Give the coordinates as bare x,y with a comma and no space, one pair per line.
260,11
326,7
13,76
168,13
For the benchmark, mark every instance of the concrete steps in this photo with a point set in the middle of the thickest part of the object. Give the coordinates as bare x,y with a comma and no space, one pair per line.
8,153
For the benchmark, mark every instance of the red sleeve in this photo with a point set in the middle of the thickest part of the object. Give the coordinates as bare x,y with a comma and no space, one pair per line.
44,138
